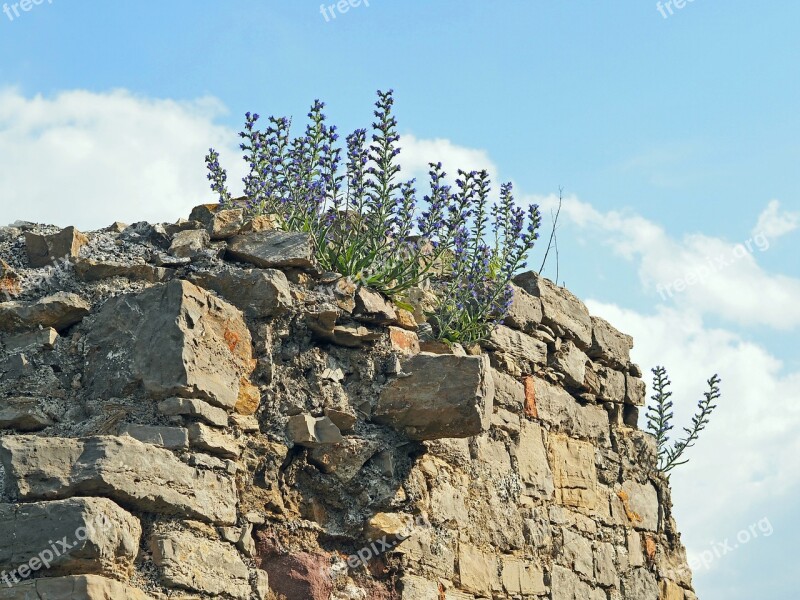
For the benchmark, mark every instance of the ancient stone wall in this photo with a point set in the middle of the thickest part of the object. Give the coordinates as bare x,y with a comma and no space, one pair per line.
191,410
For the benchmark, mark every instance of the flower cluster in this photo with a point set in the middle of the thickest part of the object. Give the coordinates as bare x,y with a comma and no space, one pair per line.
368,224
218,177
476,293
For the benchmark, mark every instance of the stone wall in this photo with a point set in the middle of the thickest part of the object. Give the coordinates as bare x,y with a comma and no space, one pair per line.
192,410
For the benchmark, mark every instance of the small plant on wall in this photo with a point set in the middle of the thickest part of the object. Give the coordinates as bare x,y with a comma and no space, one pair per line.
659,420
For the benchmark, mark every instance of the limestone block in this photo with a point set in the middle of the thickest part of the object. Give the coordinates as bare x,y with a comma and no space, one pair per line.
259,293
63,537
534,469
522,577
525,313
566,585
59,311
75,587
273,249
574,473
176,339
141,476
609,346
44,250
220,224
561,310
440,396
199,564
477,570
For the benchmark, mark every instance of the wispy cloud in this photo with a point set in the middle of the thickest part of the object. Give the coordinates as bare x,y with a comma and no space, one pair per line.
745,294
89,159
774,222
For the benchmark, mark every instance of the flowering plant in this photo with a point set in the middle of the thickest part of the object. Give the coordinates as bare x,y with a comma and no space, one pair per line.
366,222
477,293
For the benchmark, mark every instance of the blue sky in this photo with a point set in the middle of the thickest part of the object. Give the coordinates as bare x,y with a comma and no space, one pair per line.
674,140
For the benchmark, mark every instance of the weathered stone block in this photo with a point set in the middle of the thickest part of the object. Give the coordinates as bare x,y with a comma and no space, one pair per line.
566,585
561,310
605,568
220,224
273,249
670,590
190,407
203,437
172,438
87,269
414,587
525,313
299,576
533,466
371,307
344,459
259,293
189,243
388,525
38,339
63,537
612,384
441,396
202,565
609,346
477,570
574,473
565,414
176,339
635,390
576,554
353,336
641,504
75,587
521,347
59,311
522,577
44,250
306,430
509,392
22,414
640,584
129,472
571,361
404,341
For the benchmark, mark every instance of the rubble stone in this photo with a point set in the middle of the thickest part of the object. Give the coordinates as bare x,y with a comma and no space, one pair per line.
44,250
439,396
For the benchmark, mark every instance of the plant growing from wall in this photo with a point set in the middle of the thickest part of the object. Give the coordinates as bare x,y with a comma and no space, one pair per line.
659,419
367,224
476,293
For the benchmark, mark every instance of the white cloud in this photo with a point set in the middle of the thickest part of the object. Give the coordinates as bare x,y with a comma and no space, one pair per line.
418,153
773,223
88,159
699,273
